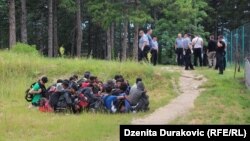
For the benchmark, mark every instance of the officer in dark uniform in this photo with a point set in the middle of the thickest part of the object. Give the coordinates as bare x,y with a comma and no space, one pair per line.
220,52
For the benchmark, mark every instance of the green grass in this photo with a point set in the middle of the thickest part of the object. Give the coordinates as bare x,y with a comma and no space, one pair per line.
18,71
225,100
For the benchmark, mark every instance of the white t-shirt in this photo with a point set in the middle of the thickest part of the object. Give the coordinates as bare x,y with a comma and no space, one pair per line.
197,42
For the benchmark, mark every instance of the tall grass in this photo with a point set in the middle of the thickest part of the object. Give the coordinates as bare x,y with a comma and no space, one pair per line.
225,100
18,71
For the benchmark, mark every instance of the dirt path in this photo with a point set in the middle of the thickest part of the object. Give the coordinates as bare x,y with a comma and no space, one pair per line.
188,90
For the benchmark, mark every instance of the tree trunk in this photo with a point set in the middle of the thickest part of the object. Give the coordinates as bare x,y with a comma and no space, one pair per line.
90,40
112,39
50,29
109,48
73,37
135,43
23,21
12,23
55,29
78,28
124,41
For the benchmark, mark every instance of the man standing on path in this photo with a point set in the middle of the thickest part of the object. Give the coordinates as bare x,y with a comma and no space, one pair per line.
150,40
143,45
179,49
220,54
154,51
197,42
187,44
211,52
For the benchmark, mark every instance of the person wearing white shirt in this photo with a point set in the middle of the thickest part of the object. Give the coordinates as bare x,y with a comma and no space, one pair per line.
179,49
143,45
154,51
197,43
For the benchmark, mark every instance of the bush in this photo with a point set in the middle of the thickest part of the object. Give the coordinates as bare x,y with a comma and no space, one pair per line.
25,49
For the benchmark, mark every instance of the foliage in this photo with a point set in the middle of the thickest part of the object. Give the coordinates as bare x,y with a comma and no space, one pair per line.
177,16
25,49
69,5
108,11
166,17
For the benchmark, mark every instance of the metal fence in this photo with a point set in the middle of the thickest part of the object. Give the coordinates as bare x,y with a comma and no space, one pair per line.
238,44
247,72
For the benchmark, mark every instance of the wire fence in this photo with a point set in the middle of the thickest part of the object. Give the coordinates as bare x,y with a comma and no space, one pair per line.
238,44
247,72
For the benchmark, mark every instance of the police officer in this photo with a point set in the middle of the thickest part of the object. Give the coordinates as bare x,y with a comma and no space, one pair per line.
220,52
187,45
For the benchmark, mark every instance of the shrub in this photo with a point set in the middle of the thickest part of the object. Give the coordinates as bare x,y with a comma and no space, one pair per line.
25,49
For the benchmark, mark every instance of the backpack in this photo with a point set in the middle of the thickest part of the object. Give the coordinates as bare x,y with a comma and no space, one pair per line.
143,104
28,97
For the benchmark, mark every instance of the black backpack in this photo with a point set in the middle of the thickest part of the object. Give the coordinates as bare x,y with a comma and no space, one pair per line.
28,97
143,104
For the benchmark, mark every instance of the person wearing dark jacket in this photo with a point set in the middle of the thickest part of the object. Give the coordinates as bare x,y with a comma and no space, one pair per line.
135,95
65,99
220,54
211,52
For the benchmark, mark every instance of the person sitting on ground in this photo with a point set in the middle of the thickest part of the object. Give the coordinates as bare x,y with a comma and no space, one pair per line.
38,90
54,88
116,77
117,88
138,97
73,81
85,78
110,101
135,85
76,107
65,100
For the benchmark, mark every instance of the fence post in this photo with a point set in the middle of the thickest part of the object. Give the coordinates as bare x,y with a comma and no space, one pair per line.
231,47
243,42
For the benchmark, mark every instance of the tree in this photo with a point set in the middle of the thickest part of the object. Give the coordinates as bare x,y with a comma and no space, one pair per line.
109,44
78,29
55,41
105,14
173,17
124,41
12,23
23,21
50,28
226,15
135,43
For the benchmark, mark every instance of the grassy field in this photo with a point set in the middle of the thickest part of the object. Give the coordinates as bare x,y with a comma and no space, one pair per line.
225,100
17,122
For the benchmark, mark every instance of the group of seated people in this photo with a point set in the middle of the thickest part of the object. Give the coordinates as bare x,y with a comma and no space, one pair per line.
88,93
